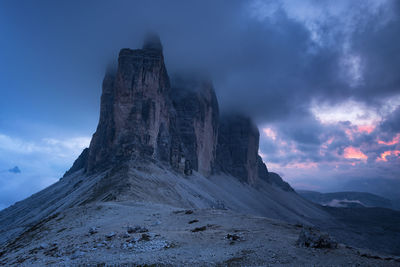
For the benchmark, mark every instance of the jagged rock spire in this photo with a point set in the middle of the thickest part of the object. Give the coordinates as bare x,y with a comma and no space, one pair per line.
135,109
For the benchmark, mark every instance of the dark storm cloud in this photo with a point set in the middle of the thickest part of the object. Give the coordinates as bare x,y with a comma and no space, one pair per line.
269,68
379,46
392,122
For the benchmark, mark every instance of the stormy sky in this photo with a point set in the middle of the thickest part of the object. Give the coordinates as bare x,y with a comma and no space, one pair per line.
320,78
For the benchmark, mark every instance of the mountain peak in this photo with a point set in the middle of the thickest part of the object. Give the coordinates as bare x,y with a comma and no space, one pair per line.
15,170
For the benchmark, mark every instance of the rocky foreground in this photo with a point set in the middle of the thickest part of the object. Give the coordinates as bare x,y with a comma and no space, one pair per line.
134,233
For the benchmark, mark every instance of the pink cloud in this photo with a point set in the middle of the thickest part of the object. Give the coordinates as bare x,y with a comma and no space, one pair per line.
384,155
270,133
354,153
366,128
394,141
349,134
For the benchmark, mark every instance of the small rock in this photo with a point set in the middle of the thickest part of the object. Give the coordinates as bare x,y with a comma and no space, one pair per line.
183,211
233,237
131,240
199,229
126,235
92,230
193,221
170,245
142,230
145,237
156,223
110,235
43,246
137,229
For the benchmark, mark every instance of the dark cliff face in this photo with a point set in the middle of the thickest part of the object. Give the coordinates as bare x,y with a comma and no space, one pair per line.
262,169
237,148
135,111
197,112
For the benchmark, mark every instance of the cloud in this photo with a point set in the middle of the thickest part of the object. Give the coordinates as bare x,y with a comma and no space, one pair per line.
354,153
345,151
392,122
43,162
62,148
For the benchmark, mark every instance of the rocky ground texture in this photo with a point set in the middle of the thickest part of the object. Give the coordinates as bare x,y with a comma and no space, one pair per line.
137,233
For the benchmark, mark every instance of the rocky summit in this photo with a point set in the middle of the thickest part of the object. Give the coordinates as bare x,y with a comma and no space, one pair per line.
167,180
136,114
144,115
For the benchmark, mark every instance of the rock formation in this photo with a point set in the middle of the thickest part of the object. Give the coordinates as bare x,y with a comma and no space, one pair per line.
135,115
145,117
197,112
142,118
237,149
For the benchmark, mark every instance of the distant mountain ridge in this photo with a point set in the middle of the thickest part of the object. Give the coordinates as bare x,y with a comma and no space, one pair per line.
347,199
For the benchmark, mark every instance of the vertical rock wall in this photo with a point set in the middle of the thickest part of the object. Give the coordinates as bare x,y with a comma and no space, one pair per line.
237,148
197,112
135,111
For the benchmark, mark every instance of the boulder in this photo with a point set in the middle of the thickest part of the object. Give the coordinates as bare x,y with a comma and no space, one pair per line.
313,238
